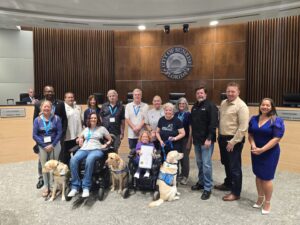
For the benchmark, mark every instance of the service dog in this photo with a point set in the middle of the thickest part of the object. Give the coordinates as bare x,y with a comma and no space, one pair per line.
118,170
61,174
167,179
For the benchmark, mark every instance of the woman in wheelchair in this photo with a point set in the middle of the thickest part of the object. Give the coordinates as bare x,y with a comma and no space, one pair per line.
144,139
90,149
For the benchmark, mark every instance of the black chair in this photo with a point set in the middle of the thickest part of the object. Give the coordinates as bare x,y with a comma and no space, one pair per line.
173,97
23,95
223,96
291,99
129,97
100,98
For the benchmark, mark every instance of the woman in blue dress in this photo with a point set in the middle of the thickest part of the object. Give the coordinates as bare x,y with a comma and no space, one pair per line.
265,132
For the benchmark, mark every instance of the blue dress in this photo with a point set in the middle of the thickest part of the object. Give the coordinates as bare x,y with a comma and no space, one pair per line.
264,165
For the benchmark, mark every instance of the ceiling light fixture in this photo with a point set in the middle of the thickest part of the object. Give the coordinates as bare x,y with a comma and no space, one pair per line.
142,27
185,28
214,23
167,29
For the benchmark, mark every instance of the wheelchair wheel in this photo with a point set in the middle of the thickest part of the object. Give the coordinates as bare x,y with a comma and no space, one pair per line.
67,190
155,195
125,193
101,194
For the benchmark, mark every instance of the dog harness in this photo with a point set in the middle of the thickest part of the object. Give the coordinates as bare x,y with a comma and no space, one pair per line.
168,177
125,170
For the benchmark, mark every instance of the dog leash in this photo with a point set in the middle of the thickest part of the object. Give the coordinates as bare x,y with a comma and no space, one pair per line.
168,142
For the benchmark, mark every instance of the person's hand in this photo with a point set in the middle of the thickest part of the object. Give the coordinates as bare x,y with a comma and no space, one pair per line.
172,138
207,143
80,142
49,148
229,147
139,152
136,129
257,151
253,146
162,143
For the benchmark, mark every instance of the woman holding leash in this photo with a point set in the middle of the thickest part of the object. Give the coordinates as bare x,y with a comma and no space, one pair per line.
169,131
47,131
90,149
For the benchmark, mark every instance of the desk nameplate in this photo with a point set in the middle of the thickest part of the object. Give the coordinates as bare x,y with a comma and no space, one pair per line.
289,114
12,112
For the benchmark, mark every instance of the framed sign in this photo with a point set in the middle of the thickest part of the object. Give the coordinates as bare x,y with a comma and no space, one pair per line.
12,112
176,63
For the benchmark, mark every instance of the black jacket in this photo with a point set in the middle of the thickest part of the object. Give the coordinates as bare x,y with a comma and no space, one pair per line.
59,111
204,121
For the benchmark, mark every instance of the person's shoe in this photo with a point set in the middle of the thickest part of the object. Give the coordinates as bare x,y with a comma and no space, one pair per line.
197,187
40,183
230,197
205,195
184,181
147,174
266,212
222,187
261,200
72,193
137,175
85,193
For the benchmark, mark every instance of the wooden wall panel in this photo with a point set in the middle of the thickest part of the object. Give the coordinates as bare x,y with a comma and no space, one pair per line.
128,63
273,58
213,61
81,61
230,60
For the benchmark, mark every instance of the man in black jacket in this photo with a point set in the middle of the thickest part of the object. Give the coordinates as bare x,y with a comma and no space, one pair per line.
58,108
204,121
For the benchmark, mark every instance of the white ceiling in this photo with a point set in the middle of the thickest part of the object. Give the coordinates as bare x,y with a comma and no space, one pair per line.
127,14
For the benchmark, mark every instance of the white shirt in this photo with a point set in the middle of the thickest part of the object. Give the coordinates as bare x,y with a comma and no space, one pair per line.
153,115
74,122
135,113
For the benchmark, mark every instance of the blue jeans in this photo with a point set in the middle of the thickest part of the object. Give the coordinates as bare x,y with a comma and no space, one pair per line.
203,159
90,156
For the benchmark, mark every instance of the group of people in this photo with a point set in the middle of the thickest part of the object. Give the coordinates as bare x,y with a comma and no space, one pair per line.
58,126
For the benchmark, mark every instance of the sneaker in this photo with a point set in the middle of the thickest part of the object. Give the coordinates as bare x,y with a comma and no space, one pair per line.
147,174
85,193
72,193
137,175
205,195
184,181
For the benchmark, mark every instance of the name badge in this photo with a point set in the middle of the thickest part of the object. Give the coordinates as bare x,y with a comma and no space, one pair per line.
47,139
112,119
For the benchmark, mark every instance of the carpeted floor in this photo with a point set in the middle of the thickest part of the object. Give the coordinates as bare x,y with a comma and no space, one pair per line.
21,203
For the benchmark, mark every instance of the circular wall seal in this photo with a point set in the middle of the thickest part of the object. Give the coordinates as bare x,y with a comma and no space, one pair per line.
176,63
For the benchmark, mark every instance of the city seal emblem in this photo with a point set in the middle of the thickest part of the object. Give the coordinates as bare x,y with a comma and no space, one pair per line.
176,63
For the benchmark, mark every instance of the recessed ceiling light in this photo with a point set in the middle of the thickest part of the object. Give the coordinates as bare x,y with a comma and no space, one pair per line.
142,27
213,23
18,27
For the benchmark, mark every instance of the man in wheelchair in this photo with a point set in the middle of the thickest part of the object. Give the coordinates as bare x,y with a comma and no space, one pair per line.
91,149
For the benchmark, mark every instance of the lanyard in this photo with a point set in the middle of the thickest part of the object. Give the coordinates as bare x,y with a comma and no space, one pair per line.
181,116
136,110
113,112
90,134
47,127
92,110
53,109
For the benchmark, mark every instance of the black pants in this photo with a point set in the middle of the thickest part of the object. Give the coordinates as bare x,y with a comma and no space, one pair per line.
185,161
232,162
65,154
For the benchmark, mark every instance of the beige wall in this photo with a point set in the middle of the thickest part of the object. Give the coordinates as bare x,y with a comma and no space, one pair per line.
16,142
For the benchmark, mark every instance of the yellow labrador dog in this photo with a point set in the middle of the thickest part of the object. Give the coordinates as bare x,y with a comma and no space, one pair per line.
167,179
61,175
118,170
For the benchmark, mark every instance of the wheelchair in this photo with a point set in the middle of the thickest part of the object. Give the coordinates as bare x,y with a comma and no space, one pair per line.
101,174
145,183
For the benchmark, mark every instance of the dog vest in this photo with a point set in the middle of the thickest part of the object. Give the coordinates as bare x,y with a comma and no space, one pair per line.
167,177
